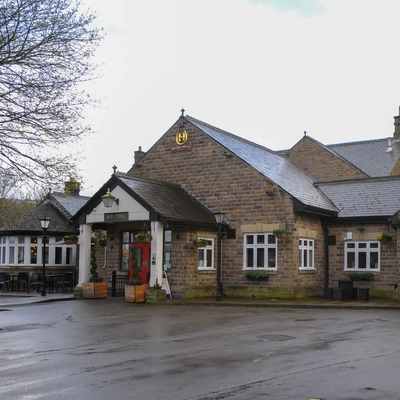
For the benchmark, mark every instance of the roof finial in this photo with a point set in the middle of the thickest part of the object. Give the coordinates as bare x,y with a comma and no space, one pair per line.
114,168
183,112
305,133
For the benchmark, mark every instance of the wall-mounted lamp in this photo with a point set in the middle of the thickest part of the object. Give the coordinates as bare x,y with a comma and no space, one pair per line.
108,199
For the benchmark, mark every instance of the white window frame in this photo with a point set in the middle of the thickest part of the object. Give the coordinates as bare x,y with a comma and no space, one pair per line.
202,254
306,253
15,243
269,243
370,247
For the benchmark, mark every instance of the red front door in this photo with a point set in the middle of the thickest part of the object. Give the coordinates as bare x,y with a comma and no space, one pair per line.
143,258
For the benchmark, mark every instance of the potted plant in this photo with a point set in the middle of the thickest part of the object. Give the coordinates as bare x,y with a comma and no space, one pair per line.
385,237
156,294
359,276
135,290
102,241
96,288
71,239
144,237
255,275
280,233
199,242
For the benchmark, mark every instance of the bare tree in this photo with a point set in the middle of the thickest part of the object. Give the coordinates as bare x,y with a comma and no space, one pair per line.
46,49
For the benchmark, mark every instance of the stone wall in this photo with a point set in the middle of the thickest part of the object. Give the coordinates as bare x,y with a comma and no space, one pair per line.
323,164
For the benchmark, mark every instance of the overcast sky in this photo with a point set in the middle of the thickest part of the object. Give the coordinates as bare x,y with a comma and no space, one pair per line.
265,70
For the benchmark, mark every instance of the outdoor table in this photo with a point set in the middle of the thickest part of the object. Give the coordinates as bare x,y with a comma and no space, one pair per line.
51,278
13,277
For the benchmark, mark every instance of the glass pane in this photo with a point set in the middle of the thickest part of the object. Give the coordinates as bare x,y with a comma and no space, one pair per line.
271,258
58,255
69,255
374,245
374,259
311,259
168,236
260,239
362,245
271,239
209,258
350,245
362,259
21,240
260,258
11,254
249,239
33,252
249,258
300,257
305,261
350,259
125,257
21,255
12,239
201,258
125,237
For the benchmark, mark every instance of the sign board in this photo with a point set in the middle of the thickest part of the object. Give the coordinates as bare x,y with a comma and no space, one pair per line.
121,216
165,285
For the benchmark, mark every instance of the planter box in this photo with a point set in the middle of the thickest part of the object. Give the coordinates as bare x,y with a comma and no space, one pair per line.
135,294
156,296
96,290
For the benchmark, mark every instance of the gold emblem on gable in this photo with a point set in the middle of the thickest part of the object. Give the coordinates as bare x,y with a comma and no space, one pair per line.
181,137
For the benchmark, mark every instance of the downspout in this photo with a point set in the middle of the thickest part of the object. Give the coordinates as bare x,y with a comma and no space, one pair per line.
326,232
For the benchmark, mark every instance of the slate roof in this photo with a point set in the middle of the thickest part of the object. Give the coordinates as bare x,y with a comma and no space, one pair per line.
364,197
361,153
272,165
29,223
69,205
59,208
173,202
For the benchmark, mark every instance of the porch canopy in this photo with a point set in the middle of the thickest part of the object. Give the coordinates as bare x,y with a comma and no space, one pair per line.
135,200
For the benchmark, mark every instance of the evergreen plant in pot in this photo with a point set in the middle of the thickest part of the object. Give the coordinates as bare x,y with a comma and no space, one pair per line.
135,290
96,288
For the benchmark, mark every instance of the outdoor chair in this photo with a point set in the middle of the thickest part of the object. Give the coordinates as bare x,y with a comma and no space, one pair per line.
8,281
23,280
67,281
2,281
36,283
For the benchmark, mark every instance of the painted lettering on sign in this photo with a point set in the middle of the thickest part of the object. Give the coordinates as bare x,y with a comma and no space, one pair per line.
121,216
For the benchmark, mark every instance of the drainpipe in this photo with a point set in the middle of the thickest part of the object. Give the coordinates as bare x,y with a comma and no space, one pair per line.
326,232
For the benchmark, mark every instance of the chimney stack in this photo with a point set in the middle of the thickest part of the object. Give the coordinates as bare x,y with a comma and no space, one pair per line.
396,134
138,155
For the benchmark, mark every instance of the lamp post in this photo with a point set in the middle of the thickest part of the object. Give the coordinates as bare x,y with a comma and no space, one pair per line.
44,222
219,217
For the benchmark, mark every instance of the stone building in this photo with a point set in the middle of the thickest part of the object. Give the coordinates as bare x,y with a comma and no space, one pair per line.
21,242
330,202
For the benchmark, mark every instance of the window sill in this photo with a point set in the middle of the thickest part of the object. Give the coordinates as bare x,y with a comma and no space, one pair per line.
205,271
307,270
